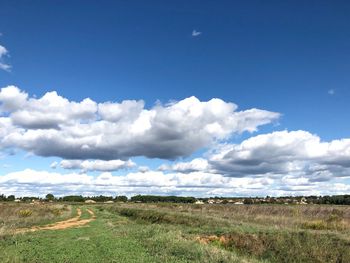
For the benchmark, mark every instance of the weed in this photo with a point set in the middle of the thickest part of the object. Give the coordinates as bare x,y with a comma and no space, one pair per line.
25,213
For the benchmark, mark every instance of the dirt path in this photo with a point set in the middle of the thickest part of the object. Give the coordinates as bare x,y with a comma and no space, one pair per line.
69,223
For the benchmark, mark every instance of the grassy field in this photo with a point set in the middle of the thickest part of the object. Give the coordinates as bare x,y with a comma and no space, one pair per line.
174,233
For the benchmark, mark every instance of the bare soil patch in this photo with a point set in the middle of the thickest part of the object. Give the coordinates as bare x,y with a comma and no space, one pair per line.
69,223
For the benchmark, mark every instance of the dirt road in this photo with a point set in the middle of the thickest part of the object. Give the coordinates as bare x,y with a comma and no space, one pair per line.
69,223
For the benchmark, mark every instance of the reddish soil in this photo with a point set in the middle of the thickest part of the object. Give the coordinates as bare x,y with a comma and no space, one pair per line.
69,223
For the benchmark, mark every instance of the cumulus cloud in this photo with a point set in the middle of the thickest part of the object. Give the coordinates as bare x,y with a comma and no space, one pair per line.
156,182
31,182
197,164
4,53
48,112
296,161
295,155
94,165
54,126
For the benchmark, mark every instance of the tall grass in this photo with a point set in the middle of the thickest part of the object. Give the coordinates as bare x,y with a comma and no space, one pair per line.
18,215
278,216
269,232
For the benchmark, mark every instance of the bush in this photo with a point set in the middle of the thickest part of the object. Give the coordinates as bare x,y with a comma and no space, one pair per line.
25,212
56,211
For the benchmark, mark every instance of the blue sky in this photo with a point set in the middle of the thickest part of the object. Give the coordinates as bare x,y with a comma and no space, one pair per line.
287,57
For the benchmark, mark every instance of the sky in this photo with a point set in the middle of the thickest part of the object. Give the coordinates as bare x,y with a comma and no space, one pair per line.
191,98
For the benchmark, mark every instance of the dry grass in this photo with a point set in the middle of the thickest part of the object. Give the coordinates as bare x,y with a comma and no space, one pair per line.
278,216
19,215
277,233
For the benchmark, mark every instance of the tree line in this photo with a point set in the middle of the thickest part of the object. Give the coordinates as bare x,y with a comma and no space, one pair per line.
331,200
162,199
102,198
68,198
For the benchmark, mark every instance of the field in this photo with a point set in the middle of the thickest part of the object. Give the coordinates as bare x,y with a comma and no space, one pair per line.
162,232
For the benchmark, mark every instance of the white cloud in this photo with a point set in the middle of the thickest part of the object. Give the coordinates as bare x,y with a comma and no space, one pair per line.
331,92
3,53
54,165
48,112
12,98
295,154
196,33
34,183
197,164
95,165
297,162
54,126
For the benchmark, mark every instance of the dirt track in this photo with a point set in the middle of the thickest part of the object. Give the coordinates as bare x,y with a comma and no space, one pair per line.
69,223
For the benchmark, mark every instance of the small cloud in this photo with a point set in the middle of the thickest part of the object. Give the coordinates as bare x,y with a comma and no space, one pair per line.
144,169
4,53
54,165
95,165
196,33
331,92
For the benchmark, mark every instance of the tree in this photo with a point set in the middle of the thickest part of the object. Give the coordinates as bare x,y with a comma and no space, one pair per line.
167,199
50,197
73,198
248,201
11,198
2,197
121,198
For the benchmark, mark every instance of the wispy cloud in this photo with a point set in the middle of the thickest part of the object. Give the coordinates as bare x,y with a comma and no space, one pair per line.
331,92
4,53
196,33
94,165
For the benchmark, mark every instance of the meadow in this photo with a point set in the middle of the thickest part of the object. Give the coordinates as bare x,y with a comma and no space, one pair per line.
166,232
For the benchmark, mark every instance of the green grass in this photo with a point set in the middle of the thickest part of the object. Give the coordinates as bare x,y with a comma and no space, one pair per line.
110,238
264,242
94,243
189,233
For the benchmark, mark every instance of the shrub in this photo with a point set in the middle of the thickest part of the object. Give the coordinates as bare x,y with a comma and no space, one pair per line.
25,212
56,211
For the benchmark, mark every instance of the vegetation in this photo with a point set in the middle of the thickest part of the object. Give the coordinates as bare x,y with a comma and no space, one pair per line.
331,200
15,216
269,233
156,199
177,232
50,197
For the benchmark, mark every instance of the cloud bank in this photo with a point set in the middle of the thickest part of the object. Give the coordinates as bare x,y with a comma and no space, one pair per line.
295,159
38,183
104,137
295,153
94,165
